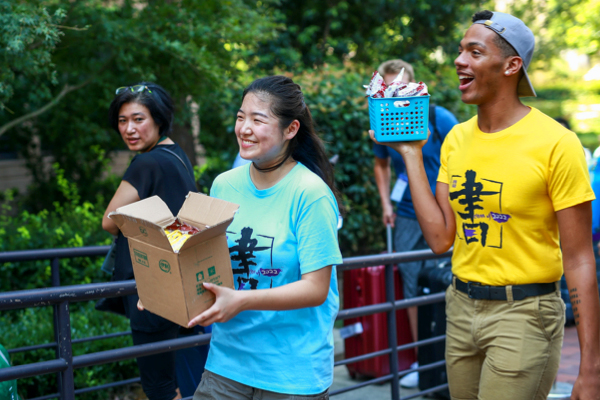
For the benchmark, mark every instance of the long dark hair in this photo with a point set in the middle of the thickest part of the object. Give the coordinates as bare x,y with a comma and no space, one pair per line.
287,104
154,97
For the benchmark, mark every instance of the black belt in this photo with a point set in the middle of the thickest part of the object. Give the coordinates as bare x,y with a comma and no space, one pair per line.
477,291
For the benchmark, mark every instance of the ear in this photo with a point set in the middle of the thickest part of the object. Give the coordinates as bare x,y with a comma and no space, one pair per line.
291,130
513,65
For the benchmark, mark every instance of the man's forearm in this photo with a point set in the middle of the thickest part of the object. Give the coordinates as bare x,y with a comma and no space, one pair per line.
583,292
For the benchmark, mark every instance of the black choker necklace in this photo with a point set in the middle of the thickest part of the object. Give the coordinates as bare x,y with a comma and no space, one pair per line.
273,168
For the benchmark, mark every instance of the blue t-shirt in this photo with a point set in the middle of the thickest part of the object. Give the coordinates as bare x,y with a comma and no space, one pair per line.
445,121
277,235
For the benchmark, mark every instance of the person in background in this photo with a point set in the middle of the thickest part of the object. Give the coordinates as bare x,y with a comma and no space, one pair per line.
408,235
513,198
143,115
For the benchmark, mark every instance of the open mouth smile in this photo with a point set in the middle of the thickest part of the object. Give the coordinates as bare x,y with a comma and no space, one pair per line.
465,81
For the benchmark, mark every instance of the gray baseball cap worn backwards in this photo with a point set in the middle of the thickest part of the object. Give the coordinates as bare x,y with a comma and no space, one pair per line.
520,37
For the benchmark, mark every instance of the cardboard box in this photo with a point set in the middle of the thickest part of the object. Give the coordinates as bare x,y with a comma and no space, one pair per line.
168,283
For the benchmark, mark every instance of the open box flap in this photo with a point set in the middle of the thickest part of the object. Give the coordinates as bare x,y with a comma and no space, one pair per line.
200,210
144,220
152,209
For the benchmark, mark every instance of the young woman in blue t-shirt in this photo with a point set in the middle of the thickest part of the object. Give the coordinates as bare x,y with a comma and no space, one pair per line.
272,337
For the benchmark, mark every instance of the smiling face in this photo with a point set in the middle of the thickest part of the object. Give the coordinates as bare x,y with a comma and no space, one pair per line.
480,66
137,127
258,132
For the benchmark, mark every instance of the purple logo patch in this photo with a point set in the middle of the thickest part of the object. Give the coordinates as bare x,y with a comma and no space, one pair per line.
500,218
270,271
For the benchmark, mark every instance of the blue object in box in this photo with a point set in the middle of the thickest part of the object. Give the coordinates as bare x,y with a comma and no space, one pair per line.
398,119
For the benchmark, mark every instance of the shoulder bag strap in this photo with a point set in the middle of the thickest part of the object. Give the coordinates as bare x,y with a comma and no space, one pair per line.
179,158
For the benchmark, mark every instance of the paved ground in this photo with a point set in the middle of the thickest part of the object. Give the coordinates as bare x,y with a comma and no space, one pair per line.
567,373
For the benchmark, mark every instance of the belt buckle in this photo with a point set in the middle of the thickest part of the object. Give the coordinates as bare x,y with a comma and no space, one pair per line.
470,286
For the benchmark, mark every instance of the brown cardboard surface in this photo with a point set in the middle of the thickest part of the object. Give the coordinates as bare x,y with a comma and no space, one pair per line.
170,284
199,264
152,209
158,280
206,210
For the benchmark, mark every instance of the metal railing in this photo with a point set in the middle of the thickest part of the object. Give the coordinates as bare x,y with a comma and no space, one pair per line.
65,363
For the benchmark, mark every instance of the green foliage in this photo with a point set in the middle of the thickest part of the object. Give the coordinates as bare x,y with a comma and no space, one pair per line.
85,322
188,47
314,32
68,224
73,223
29,34
337,103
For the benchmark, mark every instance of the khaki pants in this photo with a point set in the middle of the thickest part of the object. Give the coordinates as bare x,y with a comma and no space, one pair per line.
217,387
501,350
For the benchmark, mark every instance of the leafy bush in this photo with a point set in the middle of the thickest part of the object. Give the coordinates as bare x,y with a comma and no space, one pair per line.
69,224
336,99
85,322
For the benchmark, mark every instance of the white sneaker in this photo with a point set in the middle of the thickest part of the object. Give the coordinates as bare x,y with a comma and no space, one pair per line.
411,380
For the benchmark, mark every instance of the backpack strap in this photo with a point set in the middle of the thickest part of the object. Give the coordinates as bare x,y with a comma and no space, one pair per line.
436,133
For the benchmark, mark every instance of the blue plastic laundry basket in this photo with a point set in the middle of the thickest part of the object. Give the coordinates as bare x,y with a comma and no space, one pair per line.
397,119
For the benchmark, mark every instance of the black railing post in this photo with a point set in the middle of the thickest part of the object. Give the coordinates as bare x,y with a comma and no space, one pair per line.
390,297
62,336
65,378
55,278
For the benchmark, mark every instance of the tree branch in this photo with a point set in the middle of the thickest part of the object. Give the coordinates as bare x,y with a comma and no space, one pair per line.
66,89
73,28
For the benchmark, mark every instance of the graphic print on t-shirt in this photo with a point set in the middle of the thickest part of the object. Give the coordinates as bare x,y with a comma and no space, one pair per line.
248,245
478,224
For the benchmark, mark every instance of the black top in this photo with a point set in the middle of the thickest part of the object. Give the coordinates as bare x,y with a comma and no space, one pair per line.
156,172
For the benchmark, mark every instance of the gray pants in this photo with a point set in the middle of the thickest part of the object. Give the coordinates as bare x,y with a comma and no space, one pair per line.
408,236
217,387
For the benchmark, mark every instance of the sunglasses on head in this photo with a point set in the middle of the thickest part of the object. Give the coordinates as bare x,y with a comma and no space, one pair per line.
134,89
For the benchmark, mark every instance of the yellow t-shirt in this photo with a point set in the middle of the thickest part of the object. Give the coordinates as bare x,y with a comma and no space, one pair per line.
505,189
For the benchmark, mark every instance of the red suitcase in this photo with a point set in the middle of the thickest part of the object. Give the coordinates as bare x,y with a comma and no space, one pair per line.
366,286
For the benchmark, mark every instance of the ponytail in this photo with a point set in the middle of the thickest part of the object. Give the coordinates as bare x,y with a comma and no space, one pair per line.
306,147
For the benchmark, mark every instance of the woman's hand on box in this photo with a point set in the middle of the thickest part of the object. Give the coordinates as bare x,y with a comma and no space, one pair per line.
404,147
140,306
227,305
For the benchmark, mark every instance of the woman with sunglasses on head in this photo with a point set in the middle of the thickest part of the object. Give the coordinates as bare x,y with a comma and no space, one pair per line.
273,337
143,115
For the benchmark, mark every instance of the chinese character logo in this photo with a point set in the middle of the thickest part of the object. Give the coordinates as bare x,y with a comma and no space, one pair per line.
476,226
244,254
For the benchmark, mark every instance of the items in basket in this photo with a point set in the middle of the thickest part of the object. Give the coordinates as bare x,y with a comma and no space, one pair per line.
377,88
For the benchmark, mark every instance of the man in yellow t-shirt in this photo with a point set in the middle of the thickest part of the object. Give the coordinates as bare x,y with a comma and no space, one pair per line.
513,198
